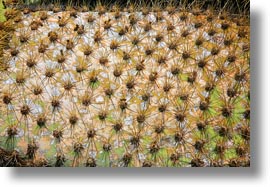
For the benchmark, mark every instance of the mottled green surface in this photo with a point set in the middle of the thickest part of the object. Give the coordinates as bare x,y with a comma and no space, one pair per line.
2,17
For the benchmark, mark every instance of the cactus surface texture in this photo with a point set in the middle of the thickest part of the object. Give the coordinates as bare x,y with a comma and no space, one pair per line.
133,86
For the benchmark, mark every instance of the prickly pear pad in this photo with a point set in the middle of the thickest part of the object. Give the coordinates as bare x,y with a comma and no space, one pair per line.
136,89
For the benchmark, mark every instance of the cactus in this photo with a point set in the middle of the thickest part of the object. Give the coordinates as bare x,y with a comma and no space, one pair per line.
152,84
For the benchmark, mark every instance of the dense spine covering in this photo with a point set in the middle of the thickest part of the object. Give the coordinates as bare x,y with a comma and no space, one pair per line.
155,83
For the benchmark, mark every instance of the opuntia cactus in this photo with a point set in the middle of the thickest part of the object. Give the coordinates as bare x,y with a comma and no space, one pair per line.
143,85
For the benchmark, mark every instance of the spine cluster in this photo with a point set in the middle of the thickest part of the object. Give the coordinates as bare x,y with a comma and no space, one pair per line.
124,88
